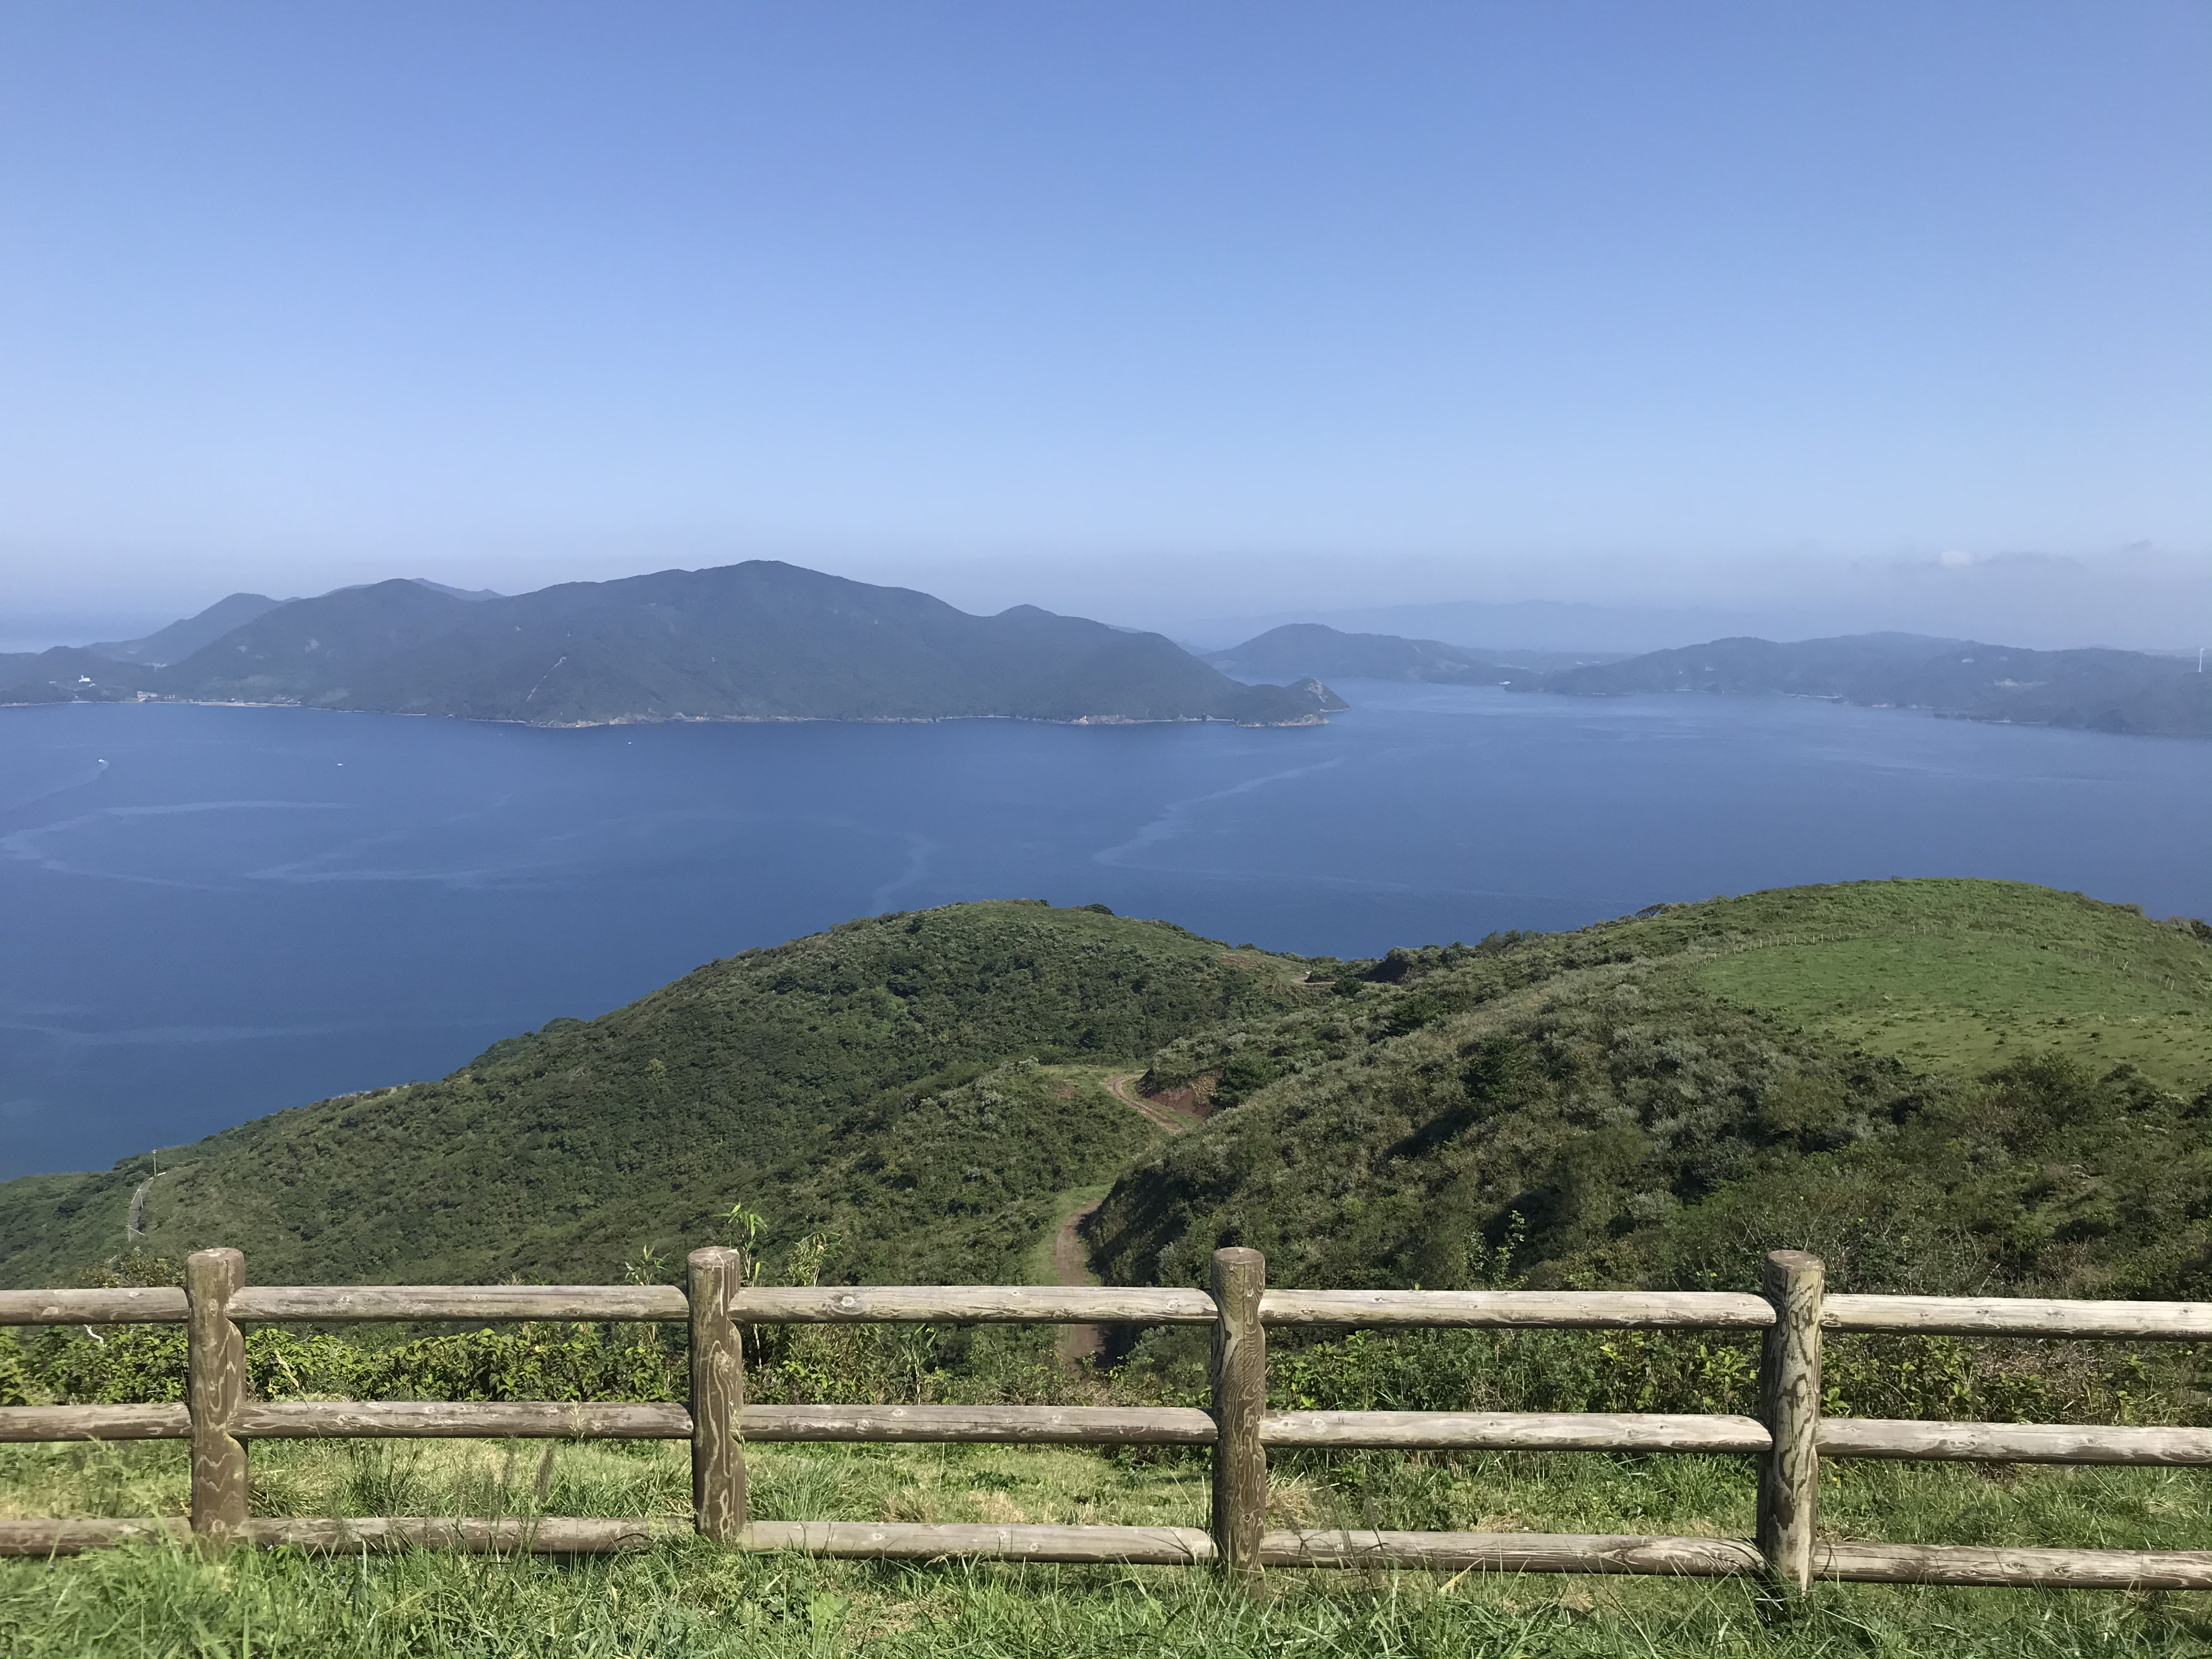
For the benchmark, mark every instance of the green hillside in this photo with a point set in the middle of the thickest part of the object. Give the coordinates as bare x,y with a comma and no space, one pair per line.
1658,1100
1941,1084
868,1079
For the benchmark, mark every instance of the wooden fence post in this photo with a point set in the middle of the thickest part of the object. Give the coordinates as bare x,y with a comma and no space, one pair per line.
1240,1399
214,1391
1789,1403
718,1395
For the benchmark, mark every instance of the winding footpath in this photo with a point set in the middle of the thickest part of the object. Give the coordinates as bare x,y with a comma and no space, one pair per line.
1071,1259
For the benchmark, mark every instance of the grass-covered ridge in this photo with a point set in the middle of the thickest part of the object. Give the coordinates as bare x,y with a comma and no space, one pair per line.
1657,1101
865,1079
1645,1100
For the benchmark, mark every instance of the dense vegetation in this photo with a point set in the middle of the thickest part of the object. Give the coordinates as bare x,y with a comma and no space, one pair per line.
757,640
1654,1101
1642,1103
2102,690
867,1080
1942,1084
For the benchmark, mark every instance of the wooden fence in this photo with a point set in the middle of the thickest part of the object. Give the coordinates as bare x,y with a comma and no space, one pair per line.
1789,1437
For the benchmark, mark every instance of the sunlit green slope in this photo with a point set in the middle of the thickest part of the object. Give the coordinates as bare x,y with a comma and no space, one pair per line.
868,1079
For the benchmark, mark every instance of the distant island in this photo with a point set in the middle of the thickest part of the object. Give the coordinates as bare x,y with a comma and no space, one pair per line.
1356,656
2093,690
760,640
765,641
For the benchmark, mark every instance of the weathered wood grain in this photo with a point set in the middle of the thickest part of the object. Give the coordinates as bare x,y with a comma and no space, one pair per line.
2013,1443
718,1395
1980,1564
1168,1546
335,1303
431,1419
214,1390
545,1535
1050,1304
1513,1552
1979,1315
1552,1309
1789,1403
161,1305
50,1538
1239,1376
19,1424
1017,1424
1516,1431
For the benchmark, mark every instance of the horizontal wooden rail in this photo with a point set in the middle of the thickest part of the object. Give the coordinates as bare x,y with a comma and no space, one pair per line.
1975,1315
1516,1431
155,1305
1789,1438
550,1420
325,1304
1710,1310
1942,1315
1512,1551
1167,1546
1998,1568
1839,1437
20,1424
544,1535
1039,1425
1452,1552
75,1536
2013,1443
409,1419
1074,1304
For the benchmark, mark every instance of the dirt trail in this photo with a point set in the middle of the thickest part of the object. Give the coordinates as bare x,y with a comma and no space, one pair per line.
1071,1259
134,1229
1071,1265
1123,1087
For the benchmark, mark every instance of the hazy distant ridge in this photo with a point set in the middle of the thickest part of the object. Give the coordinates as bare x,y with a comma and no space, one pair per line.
757,640
1312,648
2097,690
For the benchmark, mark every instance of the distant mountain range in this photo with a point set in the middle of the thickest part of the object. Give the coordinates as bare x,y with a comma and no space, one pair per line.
2124,692
1287,649
2099,690
757,640
767,641
180,639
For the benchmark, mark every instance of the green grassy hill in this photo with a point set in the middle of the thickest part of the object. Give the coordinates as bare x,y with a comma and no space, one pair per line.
1945,1084
1658,1100
868,1079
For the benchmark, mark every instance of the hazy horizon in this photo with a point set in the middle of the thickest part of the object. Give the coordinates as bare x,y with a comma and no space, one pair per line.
2135,601
1826,319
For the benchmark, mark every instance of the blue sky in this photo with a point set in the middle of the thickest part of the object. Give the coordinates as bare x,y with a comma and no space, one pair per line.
1087,303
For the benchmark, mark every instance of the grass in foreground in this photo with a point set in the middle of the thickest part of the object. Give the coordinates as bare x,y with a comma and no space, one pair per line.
689,1599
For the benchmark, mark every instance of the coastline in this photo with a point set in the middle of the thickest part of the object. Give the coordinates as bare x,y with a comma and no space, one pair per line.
1315,719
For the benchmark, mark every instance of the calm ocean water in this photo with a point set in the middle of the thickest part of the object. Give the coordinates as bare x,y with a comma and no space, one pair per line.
212,913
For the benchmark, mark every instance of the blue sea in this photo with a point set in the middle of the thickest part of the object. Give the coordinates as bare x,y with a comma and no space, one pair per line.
213,913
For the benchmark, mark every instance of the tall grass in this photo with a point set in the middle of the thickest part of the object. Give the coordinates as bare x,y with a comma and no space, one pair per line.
689,1599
